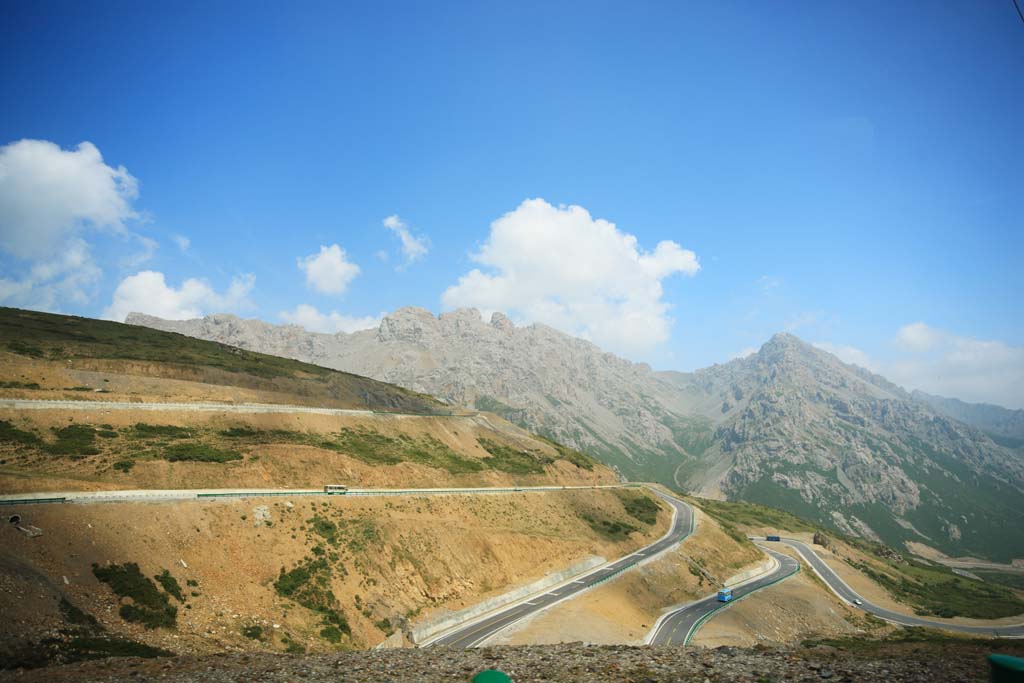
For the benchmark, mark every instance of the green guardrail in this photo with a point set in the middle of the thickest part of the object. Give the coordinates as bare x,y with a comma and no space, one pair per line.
31,501
396,492
700,622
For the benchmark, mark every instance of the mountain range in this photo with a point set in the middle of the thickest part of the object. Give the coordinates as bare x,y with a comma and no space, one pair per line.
790,425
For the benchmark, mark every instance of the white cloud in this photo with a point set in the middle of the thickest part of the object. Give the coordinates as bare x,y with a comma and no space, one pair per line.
848,354
148,292
768,283
917,337
943,363
328,271
561,267
72,276
149,247
47,193
183,242
413,248
977,370
310,318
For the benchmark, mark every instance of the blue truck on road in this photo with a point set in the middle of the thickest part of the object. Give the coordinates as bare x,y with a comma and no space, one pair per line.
725,595
772,538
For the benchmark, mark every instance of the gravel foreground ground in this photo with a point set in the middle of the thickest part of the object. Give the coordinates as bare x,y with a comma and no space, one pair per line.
572,662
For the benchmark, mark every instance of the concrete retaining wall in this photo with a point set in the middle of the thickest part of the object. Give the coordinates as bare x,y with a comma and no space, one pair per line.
448,619
766,565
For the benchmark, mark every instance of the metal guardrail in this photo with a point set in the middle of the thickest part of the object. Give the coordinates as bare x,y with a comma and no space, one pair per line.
31,501
700,622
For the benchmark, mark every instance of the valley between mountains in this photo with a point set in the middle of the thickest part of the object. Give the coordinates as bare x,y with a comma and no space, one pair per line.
789,426
93,406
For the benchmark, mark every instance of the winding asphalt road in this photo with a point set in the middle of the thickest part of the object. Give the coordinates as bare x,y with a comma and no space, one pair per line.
847,594
679,626
475,633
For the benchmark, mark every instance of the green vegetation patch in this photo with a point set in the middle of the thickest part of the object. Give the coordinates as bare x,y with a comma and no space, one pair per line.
198,452
253,632
148,605
73,440
325,528
581,460
142,430
19,385
639,505
612,529
513,460
11,434
754,515
25,349
378,449
170,585
124,465
308,584
936,590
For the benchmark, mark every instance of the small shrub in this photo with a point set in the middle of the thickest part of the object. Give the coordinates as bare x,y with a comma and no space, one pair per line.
639,506
331,633
171,585
253,632
124,465
149,606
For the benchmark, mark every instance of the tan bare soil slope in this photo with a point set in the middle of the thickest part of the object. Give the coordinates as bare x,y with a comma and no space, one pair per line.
789,612
623,610
288,573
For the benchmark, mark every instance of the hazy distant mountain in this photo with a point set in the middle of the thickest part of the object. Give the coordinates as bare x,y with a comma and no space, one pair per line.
790,426
1004,425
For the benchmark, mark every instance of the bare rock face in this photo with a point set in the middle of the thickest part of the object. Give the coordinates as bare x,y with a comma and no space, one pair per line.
790,426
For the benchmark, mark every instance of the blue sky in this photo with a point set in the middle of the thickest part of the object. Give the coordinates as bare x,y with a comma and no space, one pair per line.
850,172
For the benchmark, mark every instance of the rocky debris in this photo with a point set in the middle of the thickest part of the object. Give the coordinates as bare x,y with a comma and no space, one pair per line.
889,554
571,662
260,515
821,539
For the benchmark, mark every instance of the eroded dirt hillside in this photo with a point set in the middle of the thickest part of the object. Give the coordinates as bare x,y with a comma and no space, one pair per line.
292,574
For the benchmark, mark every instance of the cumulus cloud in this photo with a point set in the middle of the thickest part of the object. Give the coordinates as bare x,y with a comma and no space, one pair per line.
310,318
329,271
148,292
71,276
182,242
46,193
413,248
561,267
